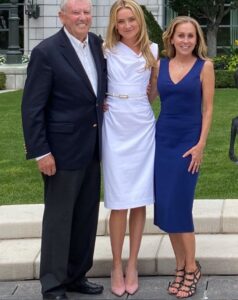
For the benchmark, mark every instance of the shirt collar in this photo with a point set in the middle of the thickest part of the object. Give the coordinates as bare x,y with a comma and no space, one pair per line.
77,43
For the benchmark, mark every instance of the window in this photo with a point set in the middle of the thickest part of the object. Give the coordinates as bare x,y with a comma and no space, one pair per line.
227,32
4,24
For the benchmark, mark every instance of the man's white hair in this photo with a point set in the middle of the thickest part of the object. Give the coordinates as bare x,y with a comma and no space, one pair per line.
63,3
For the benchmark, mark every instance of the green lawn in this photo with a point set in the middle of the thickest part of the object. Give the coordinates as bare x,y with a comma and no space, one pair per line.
20,181
219,176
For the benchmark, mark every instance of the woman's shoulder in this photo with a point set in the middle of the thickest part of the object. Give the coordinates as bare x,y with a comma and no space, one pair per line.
153,45
207,64
162,63
205,61
154,49
164,60
207,69
109,51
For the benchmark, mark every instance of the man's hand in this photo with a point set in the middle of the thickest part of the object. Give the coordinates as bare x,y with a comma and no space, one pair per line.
46,165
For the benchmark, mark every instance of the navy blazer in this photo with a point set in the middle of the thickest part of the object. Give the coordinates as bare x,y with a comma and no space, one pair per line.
60,112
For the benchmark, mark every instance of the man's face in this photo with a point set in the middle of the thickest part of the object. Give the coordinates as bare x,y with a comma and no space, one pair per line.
77,18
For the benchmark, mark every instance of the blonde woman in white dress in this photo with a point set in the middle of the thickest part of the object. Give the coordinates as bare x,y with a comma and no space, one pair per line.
128,136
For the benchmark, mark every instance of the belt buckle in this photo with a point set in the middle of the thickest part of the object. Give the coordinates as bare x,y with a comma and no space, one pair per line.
123,96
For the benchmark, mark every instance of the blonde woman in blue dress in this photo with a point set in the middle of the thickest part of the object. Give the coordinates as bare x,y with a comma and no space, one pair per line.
128,136
186,88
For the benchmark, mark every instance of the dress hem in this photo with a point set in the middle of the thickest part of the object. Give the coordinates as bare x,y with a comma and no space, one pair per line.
132,205
174,231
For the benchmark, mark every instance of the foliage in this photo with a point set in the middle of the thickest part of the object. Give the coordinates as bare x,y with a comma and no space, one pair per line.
24,59
2,81
226,62
154,30
233,50
20,181
232,57
2,59
233,63
224,79
221,62
212,11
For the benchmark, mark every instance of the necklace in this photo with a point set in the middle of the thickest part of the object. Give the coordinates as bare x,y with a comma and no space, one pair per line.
180,67
178,70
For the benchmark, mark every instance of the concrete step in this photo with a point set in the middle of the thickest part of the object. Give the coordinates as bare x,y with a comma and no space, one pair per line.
210,216
216,222
217,253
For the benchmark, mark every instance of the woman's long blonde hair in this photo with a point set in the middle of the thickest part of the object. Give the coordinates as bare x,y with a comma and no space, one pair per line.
200,49
113,37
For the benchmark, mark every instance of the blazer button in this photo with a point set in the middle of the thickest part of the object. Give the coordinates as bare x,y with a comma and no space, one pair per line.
95,125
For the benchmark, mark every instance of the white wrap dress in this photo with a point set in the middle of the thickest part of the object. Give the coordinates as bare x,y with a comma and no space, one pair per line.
128,133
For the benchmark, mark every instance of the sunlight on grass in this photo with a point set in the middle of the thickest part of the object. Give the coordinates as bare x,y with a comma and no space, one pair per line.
20,181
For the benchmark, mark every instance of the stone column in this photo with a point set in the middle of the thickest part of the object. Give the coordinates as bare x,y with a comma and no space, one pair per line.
13,54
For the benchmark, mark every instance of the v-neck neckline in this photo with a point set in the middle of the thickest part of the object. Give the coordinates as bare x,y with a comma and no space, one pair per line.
123,44
183,78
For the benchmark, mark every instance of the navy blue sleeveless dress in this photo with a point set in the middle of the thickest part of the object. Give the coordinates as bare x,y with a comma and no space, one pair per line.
177,130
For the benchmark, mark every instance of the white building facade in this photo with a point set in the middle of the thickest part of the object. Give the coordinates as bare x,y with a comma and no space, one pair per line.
32,30
35,30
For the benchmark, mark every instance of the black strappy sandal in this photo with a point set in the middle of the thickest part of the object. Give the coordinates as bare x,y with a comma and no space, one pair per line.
176,284
190,289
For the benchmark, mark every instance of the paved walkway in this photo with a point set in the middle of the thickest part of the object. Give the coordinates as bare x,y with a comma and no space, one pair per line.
216,224
218,288
7,91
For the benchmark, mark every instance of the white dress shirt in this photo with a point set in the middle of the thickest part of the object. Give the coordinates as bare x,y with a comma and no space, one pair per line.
85,56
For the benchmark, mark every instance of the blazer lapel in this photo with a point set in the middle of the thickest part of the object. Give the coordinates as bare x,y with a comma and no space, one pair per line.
96,57
71,56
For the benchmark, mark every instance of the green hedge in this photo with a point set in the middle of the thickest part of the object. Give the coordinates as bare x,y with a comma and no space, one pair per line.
224,79
154,30
2,81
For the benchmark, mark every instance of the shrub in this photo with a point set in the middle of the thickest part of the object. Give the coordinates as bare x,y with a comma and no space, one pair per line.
2,81
226,62
233,63
24,59
221,62
224,79
154,30
2,59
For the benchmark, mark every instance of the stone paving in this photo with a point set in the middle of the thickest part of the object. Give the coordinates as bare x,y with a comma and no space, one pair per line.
216,225
210,287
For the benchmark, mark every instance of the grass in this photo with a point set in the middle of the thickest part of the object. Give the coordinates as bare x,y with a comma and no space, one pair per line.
218,176
20,181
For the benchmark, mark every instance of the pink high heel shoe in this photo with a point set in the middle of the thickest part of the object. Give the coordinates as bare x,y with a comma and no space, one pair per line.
117,289
132,287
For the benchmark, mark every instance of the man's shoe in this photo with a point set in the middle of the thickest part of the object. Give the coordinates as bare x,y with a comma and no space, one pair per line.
84,286
51,296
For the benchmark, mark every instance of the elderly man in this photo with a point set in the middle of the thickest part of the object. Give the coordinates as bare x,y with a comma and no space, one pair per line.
62,118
